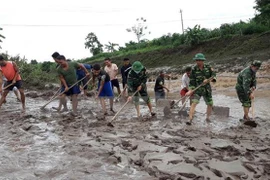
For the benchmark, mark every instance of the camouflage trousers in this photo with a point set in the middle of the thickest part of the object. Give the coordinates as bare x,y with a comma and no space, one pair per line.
144,95
205,93
244,98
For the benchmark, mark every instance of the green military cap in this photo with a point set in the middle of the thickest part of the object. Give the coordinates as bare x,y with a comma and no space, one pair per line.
256,63
199,56
137,66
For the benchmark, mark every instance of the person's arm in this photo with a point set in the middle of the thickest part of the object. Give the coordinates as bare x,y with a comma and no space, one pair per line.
247,78
143,80
130,83
213,74
63,81
16,69
1,81
84,69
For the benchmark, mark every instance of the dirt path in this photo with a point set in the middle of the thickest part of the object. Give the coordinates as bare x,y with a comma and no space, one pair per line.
50,145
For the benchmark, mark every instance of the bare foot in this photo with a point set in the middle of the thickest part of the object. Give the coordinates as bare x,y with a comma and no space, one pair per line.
64,110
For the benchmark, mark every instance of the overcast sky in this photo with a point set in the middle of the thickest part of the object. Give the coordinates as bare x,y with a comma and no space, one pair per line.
35,28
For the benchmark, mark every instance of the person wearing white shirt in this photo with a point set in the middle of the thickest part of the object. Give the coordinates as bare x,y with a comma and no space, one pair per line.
112,70
185,84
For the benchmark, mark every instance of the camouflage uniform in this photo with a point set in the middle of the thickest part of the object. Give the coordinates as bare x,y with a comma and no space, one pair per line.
134,80
245,80
197,77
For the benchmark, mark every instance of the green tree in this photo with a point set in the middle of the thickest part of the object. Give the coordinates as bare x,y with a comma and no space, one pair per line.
1,37
263,7
93,44
46,66
195,36
111,46
33,61
139,29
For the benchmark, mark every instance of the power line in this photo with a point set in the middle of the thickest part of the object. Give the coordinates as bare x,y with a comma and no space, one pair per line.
102,25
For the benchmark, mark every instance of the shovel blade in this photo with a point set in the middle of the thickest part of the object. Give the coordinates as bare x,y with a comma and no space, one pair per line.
110,124
250,123
183,113
221,111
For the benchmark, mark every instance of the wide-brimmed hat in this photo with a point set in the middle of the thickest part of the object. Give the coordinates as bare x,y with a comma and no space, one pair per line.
199,56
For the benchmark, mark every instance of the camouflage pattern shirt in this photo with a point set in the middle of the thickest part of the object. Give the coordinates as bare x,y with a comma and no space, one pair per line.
134,80
245,80
197,77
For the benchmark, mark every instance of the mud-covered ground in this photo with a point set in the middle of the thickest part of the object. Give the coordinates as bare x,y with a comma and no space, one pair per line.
45,144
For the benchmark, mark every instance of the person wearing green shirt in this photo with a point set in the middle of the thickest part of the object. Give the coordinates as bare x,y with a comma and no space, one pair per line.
68,77
246,84
200,74
136,80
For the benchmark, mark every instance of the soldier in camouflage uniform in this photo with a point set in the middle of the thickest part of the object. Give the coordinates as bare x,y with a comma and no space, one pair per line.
201,73
246,84
136,80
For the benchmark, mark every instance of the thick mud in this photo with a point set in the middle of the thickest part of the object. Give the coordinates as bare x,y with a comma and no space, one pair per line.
45,144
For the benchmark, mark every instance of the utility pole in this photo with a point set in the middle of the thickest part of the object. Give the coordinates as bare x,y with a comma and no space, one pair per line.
182,21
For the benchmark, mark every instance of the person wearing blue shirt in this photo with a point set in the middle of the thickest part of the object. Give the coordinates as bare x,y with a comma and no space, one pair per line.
81,74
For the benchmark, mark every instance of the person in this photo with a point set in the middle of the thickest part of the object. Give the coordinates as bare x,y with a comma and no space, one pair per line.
246,84
159,86
112,70
67,76
10,71
124,72
201,74
81,74
185,84
54,56
104,87
137,79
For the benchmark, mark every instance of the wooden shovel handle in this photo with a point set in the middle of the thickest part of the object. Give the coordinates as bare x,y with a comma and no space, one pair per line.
62,93
123,107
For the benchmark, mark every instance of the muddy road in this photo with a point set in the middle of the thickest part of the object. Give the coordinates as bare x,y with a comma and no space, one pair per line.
45,144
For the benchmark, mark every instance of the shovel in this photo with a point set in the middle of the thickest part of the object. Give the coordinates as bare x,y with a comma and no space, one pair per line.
187,98
114,117
8,86
61,93
251,123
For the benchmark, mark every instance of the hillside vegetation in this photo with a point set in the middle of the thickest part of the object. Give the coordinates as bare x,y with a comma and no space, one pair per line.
227,51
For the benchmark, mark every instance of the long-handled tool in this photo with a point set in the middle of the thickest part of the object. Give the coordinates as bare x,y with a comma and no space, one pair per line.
87,83
187,97
202,84
56,93
116,100
8,86
114,117
251,123
61,93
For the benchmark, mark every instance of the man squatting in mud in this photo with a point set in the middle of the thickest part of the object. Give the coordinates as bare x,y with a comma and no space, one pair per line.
201,74
246,84
137,79
68,77
11,72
